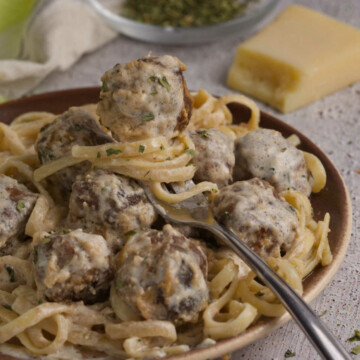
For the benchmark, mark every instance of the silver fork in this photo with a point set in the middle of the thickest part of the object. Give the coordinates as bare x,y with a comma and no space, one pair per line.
196,212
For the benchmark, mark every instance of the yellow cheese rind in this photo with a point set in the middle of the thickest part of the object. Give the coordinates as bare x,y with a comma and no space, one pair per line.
300,57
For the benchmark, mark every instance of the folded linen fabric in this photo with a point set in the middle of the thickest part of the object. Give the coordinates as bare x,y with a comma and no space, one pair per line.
55,36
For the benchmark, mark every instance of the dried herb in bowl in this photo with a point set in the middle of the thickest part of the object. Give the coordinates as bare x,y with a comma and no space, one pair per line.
183,13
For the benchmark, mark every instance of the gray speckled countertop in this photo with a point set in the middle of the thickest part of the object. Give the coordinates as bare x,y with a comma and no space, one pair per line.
332,123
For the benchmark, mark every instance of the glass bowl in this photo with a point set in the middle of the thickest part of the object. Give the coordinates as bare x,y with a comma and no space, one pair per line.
110,11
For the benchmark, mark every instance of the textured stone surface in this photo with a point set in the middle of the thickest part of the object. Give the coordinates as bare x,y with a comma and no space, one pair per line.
332,123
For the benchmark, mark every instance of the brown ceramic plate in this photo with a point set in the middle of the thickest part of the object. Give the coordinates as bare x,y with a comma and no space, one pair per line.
334,198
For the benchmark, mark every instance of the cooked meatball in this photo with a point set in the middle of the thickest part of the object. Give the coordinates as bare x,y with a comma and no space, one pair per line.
258,216
266,154
104,203
162,276
16,204
72,266
75,127
214,156
145,98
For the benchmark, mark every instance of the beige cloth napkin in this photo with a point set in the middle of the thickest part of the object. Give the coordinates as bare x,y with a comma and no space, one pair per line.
58,33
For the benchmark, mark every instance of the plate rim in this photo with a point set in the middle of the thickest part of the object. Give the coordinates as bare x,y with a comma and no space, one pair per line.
260,329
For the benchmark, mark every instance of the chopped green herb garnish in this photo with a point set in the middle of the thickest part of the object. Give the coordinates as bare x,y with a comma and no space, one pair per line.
10,271
154,93
227,214
190,152
141,148
130,233
204,134
168,158
283,149
190,164
45,239
51,157
98,155
356,350
20,205
323,314
349,142
272,170
119,283
163,82
259,293
292,208
183,13
65,231
289,354
214,191
148,117
112,151
105,86
356,336
312,212
77,127
162,147
35,255
7,307
103,189
153,78
147,173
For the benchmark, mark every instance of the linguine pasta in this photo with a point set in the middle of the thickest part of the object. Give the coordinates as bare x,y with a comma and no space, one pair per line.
238,299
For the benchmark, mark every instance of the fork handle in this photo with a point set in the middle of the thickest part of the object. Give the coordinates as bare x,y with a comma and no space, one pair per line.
323,340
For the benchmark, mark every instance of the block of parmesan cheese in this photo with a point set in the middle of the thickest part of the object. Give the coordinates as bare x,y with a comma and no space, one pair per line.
300,57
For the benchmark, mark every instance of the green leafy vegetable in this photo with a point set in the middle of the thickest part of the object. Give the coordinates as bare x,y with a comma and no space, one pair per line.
183,13
141,148
356,336
130,233
289,354
20,205
45,239
204,134
112,151
105,86
35,255
163,82
148,117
